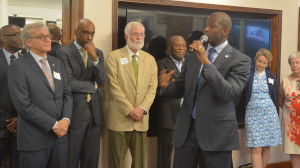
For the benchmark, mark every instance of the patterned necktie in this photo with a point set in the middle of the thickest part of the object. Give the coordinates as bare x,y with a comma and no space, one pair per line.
85,58
47,72
134,66
12,58
210,57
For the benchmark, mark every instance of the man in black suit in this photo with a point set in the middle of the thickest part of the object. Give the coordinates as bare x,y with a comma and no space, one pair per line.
167,109
41,94
55,34
10,37
85,70
209,82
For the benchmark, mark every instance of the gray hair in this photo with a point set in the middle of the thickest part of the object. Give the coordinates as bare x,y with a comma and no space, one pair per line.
27,30
132,24
294,55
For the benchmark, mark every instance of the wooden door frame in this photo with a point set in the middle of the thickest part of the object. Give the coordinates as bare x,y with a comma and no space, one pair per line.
72,11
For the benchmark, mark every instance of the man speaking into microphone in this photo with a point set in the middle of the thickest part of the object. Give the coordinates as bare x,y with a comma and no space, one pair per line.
209,82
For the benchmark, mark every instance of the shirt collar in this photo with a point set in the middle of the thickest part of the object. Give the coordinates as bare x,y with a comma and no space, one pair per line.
218,48
77,45
130,53
175,61
36,57
8,54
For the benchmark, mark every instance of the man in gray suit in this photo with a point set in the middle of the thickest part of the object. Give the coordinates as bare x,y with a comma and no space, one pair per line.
10,37
209,82
40,92
85,70
167,109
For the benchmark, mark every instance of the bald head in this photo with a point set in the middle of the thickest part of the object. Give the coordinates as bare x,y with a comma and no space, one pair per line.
223,19
84,31
10,37
55,32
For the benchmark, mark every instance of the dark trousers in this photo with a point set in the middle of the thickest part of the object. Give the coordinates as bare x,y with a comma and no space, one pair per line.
53,156
164,137
8,145
189,155
84,145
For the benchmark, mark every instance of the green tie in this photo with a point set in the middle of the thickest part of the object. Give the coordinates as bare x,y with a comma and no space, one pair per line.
135,66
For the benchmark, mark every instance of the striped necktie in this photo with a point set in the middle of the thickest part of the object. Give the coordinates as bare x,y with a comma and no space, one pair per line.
47,72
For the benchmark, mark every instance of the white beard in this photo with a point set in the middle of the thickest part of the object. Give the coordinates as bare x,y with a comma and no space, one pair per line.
136,45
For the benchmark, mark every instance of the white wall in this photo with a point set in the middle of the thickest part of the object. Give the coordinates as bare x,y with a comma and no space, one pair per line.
100,12
31,12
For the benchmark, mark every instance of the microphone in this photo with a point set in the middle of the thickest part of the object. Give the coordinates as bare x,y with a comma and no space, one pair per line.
202,39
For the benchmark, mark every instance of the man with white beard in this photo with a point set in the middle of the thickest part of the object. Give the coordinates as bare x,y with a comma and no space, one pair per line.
132,83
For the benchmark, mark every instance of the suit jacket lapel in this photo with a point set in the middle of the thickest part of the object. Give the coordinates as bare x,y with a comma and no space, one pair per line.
128,66
171,64
77,56
37,69
223,56
195,73
53,68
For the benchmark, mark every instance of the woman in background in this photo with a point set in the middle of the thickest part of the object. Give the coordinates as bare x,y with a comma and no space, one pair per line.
289,101
261,119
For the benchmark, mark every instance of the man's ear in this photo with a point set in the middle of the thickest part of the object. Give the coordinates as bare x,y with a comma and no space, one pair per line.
3,39
75,32
225,32
126,37
27,42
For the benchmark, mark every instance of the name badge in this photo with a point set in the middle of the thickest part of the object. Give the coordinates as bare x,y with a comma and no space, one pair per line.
124,61
271,80
56,75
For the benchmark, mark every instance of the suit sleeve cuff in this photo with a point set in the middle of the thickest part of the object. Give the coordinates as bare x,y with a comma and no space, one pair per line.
206,66
145,112
54,126
95,62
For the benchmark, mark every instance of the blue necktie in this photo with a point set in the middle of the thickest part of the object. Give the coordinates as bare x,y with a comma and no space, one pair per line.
210,57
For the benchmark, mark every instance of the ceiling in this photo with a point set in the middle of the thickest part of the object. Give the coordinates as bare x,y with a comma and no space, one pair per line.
48,4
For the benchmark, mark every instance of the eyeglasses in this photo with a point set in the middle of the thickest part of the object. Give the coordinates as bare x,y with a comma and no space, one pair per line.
42,37
18,35
137,34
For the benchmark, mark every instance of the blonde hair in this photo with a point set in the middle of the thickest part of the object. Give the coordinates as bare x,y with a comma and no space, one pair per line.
294,55
266,53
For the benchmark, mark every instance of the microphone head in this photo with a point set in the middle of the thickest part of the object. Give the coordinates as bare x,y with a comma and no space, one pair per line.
204,38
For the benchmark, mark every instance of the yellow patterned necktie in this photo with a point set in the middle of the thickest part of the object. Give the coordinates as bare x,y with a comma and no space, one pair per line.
134,66
85,58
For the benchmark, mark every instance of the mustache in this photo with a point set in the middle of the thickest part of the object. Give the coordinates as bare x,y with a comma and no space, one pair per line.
137,41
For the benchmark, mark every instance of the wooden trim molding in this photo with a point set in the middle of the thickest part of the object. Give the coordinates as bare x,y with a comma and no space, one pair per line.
284,164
